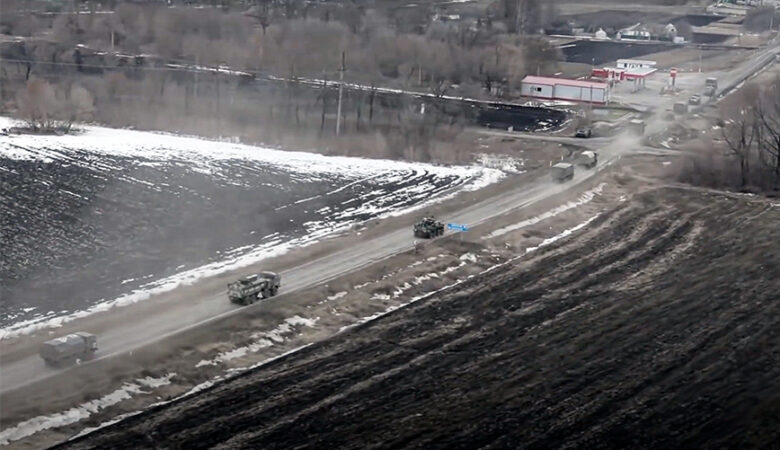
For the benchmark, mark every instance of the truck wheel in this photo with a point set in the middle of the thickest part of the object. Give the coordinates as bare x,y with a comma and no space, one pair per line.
274,290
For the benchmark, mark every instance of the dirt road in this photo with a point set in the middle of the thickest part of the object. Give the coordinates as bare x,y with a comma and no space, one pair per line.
656,328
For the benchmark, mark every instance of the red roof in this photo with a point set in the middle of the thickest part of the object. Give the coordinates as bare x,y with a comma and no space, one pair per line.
549,81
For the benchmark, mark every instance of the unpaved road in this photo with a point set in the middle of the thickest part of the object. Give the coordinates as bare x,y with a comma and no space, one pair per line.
189,311
657,327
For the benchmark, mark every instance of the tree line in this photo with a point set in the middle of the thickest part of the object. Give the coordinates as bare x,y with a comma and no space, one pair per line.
749,129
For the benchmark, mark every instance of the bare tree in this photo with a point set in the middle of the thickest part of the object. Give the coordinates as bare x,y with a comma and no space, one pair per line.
768,118
80,105
38,105
739,134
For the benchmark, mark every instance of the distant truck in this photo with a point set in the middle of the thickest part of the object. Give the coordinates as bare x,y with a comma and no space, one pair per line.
680,108
562,172
637,126
710,86
588,159
68,349
250,289
428,228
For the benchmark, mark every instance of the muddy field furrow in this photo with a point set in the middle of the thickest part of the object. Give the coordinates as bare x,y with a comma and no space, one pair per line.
559,349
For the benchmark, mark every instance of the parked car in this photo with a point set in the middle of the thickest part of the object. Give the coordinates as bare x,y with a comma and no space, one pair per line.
694,100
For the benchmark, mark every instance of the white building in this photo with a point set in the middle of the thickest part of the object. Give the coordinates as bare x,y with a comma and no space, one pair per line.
635,64
565,89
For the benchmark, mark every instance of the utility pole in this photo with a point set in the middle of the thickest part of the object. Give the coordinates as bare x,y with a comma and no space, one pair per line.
341,92
196,75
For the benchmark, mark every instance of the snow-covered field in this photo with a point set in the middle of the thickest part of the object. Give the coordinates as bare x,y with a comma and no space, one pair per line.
108,217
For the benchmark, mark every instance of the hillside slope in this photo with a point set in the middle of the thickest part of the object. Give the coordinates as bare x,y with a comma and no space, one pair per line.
656,327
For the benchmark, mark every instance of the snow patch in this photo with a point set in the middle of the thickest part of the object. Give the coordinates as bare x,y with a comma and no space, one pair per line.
586,197
83,411
501,162
262,340
468,257
337,295
562,235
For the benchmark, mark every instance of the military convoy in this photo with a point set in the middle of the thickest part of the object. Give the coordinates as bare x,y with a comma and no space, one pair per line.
72,348
428,228
250,289
564,171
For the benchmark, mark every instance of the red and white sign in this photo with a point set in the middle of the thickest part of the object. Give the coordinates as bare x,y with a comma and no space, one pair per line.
673,73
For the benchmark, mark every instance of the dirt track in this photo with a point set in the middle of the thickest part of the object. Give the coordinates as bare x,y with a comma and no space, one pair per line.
656,327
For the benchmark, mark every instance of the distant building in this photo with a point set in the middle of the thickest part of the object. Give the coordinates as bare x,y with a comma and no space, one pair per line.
635,35
635,64
565,89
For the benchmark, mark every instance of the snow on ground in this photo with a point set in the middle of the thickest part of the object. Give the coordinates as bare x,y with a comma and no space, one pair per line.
562,235
586,197
83,411
94,145
263,340
162,147
503,163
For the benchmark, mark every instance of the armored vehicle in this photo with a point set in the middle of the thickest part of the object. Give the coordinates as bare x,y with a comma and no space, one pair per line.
584,132
588,159
250,289
562,172
67,349
428,228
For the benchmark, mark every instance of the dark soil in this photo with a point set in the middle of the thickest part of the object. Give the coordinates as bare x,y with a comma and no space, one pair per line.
83,227
656,327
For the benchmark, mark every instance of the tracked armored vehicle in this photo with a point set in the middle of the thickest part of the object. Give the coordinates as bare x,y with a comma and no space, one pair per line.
250,289
428,228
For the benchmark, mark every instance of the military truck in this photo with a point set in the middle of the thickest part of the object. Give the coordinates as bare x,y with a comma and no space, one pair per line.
637,126
254,287
588,159
428,228
562,172
710,86
74,347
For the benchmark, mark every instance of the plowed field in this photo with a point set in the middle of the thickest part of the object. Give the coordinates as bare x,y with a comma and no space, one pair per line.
657,326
